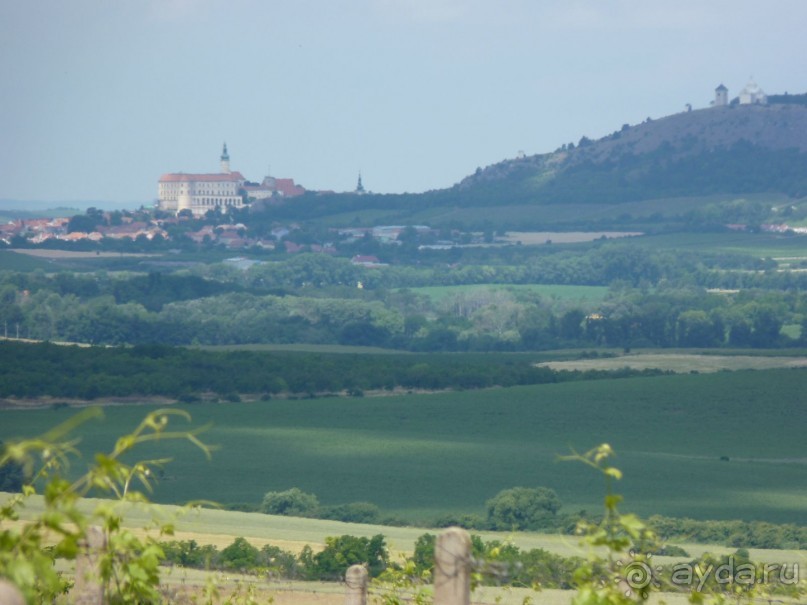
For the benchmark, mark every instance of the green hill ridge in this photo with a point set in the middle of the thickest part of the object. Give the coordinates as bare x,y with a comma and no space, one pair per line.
657,172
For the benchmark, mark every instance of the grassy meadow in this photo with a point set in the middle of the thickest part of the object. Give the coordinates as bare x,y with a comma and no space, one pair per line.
762,245
220,527
421,456
12,261
587,294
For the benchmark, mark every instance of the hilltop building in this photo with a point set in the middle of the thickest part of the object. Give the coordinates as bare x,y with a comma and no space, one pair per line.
200,193
721,96
752,94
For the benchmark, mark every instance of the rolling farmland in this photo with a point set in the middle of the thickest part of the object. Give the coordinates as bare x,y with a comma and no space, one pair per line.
702,446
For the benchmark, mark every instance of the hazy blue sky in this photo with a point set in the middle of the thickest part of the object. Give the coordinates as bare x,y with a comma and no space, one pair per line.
99,97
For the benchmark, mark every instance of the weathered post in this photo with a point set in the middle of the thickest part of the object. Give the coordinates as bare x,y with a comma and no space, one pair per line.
88,589
10,594
356,582
452,568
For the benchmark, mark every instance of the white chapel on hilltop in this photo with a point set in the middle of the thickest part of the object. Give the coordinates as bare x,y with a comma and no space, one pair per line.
199,193
752,94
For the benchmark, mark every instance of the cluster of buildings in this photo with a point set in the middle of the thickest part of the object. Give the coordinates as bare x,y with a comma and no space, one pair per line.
752,94
41,230
224,190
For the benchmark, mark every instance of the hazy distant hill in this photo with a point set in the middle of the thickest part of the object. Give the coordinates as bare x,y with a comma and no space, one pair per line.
735,149
656,171
58,208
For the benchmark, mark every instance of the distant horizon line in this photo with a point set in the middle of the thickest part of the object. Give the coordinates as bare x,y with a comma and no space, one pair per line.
40,204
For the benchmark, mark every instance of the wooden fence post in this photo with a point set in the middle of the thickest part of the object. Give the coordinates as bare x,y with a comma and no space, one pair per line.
452,568
88,589
356,582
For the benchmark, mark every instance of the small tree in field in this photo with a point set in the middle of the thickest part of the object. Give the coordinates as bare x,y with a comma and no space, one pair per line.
293,503
522,508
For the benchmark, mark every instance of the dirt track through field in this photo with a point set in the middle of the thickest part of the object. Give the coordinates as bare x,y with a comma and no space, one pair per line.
532,238
680,363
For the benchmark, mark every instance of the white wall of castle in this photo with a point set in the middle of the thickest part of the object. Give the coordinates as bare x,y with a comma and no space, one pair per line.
199,196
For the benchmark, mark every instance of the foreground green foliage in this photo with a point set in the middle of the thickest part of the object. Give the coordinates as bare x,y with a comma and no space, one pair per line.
626,573
128,567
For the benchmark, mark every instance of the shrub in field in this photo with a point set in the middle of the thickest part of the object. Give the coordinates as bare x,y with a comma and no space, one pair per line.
188,553
343,551
522,508
293,503
240,556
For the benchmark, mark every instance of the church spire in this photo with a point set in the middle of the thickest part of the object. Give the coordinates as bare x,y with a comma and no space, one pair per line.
359,186
225,160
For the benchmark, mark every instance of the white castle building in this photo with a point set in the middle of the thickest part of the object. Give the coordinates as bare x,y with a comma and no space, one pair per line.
200,193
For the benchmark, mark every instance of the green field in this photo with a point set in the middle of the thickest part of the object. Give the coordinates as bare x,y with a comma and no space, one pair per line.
419,456
304,348
12,261
561,292
762,245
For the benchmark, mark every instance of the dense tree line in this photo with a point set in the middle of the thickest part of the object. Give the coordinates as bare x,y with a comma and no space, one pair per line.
315,299
494,562
745,534
35,370
329,564
497,563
